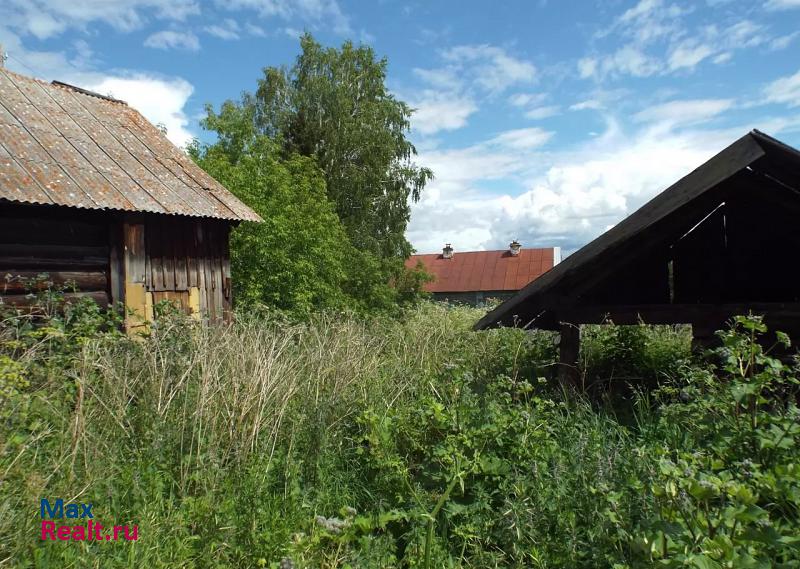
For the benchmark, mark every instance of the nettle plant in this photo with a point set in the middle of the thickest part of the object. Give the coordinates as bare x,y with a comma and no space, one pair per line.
734,500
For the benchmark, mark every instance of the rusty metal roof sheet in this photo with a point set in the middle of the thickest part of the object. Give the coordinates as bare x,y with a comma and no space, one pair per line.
63,145
472,271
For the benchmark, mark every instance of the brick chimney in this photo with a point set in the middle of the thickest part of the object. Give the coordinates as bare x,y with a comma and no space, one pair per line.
514,247
447,252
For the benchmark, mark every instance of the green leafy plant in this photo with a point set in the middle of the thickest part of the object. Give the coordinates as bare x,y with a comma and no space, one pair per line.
729,495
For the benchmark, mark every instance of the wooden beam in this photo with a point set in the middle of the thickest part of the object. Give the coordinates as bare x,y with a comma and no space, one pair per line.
29,300
116,281
134,252
21,280
679,313
134,267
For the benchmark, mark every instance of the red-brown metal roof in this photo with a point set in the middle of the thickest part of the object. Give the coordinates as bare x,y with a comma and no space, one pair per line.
472,271
62,145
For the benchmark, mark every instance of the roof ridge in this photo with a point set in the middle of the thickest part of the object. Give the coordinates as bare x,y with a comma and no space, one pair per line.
83,91
485,251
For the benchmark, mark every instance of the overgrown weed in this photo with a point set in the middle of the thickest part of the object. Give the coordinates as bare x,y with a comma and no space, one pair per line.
343,441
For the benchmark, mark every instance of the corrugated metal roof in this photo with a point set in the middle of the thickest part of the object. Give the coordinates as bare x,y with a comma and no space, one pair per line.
62,145
473,271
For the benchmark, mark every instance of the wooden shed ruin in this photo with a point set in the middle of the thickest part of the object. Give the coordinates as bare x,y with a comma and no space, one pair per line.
721,241
93,194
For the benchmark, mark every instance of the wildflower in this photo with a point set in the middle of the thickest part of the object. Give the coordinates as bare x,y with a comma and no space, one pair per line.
333,525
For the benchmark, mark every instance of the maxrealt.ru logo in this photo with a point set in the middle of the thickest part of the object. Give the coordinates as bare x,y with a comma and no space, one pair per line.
91,531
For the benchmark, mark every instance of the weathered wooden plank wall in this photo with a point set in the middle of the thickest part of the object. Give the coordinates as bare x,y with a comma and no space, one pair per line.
186,256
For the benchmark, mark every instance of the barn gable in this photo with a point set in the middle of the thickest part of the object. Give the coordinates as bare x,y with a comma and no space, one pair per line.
719,242
719,235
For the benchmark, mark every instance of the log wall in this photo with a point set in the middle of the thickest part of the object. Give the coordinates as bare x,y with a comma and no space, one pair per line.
70,248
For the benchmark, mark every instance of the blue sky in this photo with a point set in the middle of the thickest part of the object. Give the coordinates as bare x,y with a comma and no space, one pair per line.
543,121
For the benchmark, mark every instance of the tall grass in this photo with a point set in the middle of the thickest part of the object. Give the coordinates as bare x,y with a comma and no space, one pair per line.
140,427
336,442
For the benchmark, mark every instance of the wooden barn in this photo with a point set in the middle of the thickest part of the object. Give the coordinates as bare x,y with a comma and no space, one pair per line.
475,277
721,241
94,195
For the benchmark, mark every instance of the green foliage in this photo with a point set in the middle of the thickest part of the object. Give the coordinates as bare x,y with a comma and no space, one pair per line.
729,496
332,107
640,356
411,442
333,104
296,259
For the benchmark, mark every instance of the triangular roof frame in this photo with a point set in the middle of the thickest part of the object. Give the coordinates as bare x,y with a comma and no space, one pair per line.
755,150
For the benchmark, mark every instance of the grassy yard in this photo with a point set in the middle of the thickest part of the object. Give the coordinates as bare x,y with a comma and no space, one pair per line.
411,442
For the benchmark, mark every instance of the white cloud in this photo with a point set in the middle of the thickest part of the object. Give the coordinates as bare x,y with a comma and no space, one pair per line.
684,112
48,18
743,34
227,30
534,106
587,67
543,112
525,99
453,91
658,39
569,196
171,39
782,4
585,192
723,57
688,54
782,42
785,90
492,67
589,104
522,138
293,33
716,44
325,13
627,60
255,30
452,207
442,78
649,21
437,111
